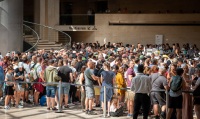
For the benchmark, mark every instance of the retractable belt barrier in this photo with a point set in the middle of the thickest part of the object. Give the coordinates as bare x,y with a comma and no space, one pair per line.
104,87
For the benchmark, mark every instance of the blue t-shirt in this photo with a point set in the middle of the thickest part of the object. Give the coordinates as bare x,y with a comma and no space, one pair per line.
107,78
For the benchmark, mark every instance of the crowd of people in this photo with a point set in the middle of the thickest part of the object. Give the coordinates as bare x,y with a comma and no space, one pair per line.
136,79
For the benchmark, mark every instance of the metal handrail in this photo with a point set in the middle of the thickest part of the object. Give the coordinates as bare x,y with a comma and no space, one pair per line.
28,22
38,38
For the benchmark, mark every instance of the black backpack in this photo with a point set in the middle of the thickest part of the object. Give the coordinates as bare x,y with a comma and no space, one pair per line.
176,83
196,92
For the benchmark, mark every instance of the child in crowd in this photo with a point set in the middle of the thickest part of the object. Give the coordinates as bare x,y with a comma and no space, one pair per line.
9,92
115,109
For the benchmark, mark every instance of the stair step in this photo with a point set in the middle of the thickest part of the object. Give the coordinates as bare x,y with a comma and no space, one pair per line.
48,48
47,44
50,45
41,41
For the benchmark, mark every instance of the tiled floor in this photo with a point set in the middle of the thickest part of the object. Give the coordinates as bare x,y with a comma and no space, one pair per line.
42,113
30,112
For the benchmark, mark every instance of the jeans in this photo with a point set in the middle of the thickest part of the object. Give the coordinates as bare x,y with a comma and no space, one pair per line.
51,91
65,89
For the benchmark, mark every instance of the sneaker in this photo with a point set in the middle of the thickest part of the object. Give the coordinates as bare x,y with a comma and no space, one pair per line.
12,104
7,107
86,111
98,105
36,105
19,106
21,102
65,107
48,108
54,109
28,102
130,115
91,113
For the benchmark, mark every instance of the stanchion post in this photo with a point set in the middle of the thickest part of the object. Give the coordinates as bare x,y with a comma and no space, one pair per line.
104,110
167,100
59,96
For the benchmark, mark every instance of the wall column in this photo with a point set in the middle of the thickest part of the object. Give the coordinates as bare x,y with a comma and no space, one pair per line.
53,18
11,30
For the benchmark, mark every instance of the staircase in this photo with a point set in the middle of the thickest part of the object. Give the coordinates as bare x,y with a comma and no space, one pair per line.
43,44
33,39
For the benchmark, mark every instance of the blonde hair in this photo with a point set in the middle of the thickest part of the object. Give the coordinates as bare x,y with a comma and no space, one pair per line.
114,100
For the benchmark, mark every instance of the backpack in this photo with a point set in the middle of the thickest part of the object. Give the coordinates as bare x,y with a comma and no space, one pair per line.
119,112
33,73
77,81
176,83
39,87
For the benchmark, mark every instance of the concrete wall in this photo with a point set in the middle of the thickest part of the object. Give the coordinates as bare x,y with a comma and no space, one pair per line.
146,34
82,36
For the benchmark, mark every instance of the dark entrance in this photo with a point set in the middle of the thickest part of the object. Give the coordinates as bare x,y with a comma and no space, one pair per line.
101,6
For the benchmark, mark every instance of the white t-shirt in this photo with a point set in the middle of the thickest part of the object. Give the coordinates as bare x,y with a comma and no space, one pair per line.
73,69
15,66
1,58
26,67
125,74
198,82
112,108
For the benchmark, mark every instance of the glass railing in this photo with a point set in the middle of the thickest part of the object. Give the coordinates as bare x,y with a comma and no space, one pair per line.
77,19
49,37
31,38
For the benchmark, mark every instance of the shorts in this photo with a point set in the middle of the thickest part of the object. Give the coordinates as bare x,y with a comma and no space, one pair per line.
51,91
89,92
158,98
19,87
28,87
97,90
175,102
65,89
129,95
9,90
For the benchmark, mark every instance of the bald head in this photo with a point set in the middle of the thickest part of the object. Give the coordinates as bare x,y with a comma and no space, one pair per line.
90,64
34,58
